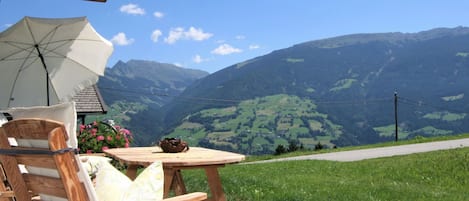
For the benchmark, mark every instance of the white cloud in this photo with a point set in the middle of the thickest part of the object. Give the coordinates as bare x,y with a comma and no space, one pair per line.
225,49
158,14
197,59
174,35
178,64
197,34
252,47
121,39
180,33
132,9
240,37
155,35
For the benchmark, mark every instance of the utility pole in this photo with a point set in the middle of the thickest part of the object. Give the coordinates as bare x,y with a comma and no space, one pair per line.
395,114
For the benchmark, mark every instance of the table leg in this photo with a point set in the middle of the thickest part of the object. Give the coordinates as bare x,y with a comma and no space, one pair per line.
132,171
215,184
173,180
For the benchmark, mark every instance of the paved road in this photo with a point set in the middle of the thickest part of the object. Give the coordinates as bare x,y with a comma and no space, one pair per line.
363,154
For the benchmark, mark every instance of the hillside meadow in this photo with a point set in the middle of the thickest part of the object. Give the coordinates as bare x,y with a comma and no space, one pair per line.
439,175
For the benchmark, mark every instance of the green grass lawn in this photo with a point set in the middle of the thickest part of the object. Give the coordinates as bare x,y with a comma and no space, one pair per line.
439,175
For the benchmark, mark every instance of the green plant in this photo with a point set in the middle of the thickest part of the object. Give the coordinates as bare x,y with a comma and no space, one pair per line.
98,136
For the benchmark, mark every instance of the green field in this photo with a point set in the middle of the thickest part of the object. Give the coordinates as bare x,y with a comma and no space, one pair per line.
258,126
439,175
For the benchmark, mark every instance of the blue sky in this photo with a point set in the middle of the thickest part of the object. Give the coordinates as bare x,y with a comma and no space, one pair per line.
214,34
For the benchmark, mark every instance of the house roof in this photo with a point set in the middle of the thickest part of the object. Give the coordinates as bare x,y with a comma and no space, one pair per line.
90,101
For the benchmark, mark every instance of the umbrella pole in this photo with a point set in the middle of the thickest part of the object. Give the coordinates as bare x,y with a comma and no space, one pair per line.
47,73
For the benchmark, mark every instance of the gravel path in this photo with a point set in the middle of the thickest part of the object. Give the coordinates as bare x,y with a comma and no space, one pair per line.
363,154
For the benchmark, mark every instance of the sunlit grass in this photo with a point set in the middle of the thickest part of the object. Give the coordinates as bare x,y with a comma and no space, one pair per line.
439,175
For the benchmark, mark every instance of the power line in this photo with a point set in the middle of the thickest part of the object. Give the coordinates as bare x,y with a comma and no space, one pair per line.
203,100
424,104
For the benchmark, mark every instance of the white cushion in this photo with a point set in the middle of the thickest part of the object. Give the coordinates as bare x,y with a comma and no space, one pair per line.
92,163
113,185
64,112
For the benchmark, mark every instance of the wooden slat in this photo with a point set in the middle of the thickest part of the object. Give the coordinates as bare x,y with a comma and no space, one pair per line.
46,185
6,195
30,129
43,161
188,197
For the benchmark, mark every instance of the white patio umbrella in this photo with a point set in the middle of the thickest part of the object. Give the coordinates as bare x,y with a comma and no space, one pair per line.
47,61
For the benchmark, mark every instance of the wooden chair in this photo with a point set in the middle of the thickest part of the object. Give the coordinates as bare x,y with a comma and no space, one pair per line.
56,156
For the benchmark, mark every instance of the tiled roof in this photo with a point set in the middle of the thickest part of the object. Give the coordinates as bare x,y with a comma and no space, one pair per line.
89,101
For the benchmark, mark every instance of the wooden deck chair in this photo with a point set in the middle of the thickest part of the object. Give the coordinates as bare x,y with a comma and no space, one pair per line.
55,156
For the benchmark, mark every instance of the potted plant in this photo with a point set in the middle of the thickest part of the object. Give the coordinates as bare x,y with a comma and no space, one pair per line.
99,135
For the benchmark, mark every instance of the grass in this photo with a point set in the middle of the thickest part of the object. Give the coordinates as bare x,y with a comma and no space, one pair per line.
439,175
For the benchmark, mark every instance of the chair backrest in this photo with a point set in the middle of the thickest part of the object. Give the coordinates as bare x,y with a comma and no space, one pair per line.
54,157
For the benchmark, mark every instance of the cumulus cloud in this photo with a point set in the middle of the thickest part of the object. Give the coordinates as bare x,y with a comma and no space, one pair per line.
180,33
155,35
225,49
252,47
174,35
197,34
132,9
158,14
121,39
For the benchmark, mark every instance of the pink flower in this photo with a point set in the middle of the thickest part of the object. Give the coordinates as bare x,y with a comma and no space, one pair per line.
94,131
118,137
109,138
105,148
82,127
125,131
89,151
127,145
100,138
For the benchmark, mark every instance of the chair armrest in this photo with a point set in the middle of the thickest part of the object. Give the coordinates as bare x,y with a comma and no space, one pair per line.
188,197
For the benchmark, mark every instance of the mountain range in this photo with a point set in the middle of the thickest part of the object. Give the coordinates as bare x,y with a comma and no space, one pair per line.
340,91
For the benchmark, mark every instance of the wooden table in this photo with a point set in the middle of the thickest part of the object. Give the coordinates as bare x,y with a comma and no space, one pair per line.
173,163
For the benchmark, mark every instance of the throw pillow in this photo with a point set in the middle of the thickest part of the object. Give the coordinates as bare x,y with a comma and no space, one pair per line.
113,185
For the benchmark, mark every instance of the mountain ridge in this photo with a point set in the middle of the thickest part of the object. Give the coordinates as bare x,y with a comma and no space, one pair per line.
363,70
431,64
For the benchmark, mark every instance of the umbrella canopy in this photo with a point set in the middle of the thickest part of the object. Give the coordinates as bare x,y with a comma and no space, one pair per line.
47,61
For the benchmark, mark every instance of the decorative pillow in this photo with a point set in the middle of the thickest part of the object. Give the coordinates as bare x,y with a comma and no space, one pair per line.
92,163
113,185
64,112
